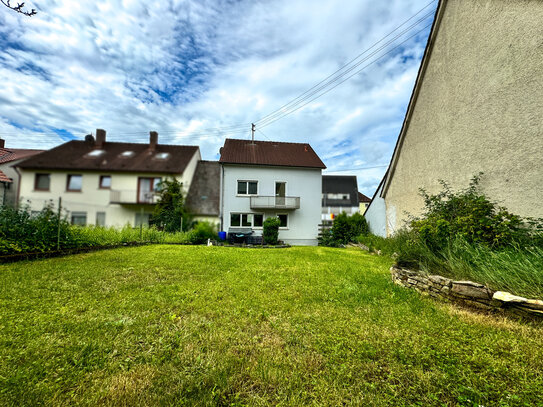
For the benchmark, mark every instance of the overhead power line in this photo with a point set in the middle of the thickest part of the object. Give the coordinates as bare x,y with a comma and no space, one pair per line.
345,69
357,168
336,84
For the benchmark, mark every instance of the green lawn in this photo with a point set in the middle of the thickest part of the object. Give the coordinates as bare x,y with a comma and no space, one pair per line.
221,326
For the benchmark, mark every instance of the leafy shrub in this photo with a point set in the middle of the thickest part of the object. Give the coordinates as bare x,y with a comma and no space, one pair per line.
271,230
201,232
170,208
347,228
470,215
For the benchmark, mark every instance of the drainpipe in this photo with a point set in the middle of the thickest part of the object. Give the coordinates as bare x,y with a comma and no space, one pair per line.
221,198
18,186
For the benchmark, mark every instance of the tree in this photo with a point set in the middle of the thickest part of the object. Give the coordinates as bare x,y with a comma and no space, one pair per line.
19,8
170,209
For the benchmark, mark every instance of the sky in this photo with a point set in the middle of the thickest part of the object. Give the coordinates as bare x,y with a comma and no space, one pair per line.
200,71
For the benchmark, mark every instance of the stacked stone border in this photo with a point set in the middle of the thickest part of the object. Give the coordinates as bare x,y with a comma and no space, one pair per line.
467,293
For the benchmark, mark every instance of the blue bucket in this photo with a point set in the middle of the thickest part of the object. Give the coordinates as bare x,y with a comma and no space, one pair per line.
222,235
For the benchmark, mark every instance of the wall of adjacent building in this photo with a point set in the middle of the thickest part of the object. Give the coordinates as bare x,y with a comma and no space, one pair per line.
91,199
479,109
303,223
11,191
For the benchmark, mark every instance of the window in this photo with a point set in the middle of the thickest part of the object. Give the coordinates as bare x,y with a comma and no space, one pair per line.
258,220
247,187
344,197
100,219
147,188
142,219
74,182
235,219
246,220
42,182
105,181
79,218
283,218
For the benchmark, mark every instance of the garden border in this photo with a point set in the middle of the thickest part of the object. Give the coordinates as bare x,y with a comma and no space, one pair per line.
467,293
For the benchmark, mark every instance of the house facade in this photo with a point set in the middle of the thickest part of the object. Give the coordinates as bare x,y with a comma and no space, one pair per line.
104,183
9,177
261,179
476,107
339,194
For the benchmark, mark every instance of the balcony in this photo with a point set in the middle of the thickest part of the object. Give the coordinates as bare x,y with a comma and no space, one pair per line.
130,197
275,202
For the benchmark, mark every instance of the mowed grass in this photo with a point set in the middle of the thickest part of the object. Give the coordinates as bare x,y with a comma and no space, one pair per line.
185,325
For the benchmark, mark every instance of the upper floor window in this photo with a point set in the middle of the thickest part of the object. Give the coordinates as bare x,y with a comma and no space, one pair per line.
74,182
247,187
42,182
105,181
147,188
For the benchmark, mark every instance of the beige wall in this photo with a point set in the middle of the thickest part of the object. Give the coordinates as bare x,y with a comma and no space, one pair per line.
92,199
480,108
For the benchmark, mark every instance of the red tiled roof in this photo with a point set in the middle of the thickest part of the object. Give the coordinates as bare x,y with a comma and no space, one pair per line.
269,153
4,177
363,198
74,155
12,154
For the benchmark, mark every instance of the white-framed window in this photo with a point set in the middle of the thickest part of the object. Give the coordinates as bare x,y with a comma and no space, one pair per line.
283,218
79,218
74,182
247,187
247,220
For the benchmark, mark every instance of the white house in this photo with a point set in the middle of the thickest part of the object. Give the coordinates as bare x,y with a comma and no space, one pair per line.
261,179
104,183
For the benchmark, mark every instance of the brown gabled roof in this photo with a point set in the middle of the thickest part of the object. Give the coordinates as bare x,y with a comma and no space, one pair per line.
274,153
363,198
74,155
4,177
203,197
11,154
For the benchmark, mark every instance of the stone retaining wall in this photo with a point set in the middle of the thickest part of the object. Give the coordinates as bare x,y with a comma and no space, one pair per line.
467,293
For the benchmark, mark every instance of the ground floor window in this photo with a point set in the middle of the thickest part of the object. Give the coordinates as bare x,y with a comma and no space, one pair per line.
246,220
142,219
79,218
283,218
100,219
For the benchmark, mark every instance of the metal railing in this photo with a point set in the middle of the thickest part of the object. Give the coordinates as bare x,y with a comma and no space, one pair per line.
275,202
131,197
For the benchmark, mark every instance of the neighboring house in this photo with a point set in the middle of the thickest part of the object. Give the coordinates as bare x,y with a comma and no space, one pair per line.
476,106
363,202
203,198
261,179
9,181
105,183
339,194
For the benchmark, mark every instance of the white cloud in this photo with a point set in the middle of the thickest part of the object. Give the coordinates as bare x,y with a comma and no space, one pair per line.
185,66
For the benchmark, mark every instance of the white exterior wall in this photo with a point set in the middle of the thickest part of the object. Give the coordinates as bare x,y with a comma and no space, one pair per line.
305,183
92,199
376,215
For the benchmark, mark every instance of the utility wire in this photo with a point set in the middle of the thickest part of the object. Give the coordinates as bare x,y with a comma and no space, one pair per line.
334,77
358,168
267,123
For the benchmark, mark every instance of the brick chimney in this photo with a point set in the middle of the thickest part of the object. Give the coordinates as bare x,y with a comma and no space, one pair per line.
2,143
100,138
153,140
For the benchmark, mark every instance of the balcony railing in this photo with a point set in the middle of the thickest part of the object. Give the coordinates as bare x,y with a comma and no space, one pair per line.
131,197
275,202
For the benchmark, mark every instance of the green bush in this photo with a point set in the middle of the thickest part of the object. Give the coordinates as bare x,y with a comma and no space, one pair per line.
470,215
170,208
344,230
271,230
201,232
